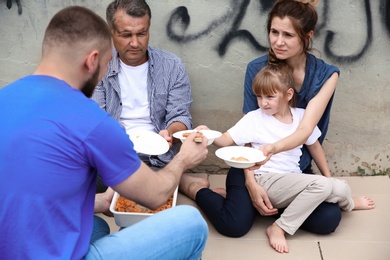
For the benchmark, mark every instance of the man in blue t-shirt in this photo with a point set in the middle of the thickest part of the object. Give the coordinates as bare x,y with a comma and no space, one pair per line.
53,140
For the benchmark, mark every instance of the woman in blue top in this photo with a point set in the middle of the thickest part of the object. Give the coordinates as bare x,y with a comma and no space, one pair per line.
290,27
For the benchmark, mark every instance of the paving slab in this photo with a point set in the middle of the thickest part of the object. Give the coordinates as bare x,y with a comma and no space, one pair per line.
343,250
361,235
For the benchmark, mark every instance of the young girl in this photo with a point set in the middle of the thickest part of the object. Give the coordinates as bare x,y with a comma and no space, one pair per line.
281,176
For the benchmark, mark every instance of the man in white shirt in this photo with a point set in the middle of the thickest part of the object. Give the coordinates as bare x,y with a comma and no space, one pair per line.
144,88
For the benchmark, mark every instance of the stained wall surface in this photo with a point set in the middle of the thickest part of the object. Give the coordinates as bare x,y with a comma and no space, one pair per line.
217,38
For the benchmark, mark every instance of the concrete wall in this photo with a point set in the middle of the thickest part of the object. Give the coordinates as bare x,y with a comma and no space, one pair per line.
217,38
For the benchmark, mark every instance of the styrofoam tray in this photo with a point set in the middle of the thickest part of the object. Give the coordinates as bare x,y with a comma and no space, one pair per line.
125,219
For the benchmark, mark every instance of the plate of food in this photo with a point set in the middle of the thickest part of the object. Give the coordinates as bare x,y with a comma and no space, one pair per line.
148,142
240,156
209,134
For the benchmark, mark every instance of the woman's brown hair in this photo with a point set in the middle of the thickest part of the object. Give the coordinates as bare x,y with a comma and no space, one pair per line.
303,17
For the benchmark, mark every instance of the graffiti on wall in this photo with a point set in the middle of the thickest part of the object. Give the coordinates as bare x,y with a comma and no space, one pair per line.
385,14
9,5
235,15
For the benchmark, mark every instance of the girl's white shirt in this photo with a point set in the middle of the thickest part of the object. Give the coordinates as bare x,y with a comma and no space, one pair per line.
258,129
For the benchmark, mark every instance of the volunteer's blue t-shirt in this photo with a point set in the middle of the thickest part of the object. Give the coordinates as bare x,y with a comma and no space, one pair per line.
53,139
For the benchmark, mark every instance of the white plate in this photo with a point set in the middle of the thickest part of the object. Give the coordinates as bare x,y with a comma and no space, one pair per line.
253,156
209,134
148,142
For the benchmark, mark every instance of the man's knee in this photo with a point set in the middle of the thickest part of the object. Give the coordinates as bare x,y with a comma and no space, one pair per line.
195,220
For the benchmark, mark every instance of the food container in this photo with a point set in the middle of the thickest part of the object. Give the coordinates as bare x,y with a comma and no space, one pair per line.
125,219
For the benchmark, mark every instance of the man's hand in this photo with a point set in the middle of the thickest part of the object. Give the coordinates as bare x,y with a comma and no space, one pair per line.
165,133
103,201
202,127
193,153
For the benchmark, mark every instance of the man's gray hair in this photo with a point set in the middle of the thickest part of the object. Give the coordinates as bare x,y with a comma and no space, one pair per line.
134,8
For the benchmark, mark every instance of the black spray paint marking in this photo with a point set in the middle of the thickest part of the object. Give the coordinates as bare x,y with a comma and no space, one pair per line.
180,21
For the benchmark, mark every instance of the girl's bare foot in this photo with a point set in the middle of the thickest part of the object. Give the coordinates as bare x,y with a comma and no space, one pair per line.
190,185
363,202
277,239
220,191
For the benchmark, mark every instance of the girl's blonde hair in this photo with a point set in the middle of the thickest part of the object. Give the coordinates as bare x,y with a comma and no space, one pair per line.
273,79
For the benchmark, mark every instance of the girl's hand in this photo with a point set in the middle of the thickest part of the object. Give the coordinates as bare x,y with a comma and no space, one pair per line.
261,201
258,195
202,127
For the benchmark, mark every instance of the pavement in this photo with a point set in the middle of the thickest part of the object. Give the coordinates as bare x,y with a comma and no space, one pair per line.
361,235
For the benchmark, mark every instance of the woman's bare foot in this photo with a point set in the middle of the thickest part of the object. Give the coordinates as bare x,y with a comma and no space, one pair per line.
103,201
220,191
277,239
190,185
363,202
